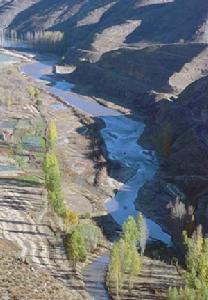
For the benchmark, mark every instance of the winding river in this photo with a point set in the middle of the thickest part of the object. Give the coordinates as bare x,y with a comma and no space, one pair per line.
120,136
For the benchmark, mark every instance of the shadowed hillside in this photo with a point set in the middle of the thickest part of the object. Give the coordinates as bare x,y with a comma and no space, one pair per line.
135,48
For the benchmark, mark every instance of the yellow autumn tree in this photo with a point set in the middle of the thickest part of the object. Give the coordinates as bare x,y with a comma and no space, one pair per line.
70,218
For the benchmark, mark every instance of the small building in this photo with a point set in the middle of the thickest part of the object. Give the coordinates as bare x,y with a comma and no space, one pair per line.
63,69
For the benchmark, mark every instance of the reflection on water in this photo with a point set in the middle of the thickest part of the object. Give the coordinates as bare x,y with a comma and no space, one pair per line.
13,42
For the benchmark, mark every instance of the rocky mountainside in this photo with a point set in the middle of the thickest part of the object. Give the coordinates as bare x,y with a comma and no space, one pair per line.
178,131
169,20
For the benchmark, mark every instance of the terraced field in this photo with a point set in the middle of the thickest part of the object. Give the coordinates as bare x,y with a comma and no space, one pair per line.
22,212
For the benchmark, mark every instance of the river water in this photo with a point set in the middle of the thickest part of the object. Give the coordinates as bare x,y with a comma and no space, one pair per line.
120,136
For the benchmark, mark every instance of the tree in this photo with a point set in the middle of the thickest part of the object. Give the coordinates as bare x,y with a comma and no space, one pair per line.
50,41
115,267
143,232
91,235
125,261
70,218
124,264
196,276
76,247
53,183
188,294
130,231
197,258
52,134
135,266
182,218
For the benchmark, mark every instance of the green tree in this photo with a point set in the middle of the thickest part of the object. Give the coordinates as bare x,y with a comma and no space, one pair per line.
130,231
115,268
52,134
135,266
53,183
196,276
76,247
124,264
91,235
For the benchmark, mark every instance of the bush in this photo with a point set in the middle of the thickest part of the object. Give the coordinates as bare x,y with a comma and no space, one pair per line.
82,240
75,245
91,235
34,92
70,218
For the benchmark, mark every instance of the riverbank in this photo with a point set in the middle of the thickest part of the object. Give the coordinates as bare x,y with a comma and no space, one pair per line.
23,57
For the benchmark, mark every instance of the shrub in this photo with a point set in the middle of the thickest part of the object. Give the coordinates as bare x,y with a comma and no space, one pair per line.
82,240
91,235
34,92
70,218
75,245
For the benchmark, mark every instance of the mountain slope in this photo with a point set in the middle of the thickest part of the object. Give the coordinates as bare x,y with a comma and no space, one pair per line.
178,131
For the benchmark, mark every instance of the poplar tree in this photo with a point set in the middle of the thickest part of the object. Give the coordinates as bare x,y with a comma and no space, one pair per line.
196,276
115,267
52,134
143,232
135,266
53,183
130,231
125,261
76,247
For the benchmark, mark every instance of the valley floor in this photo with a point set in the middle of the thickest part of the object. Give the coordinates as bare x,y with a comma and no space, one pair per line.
27,224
